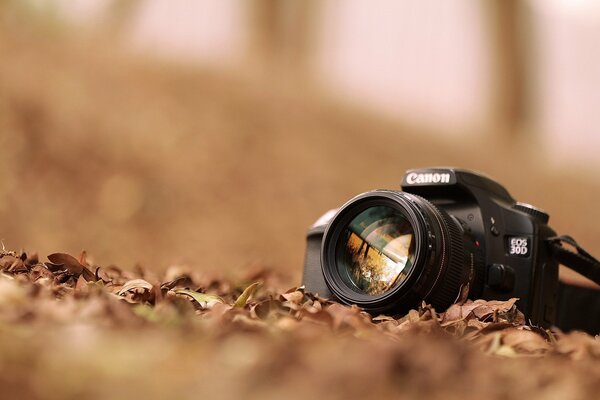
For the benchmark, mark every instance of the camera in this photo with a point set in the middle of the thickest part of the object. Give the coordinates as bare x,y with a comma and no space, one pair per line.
448,235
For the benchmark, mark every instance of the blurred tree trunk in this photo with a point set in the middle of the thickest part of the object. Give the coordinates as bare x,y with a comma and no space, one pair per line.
508,75
119,14
282,33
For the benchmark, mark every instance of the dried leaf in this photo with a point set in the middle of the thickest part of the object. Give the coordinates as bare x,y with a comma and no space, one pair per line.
17,266
71,264
293,296
524,340
134,284
269,308
54,267
203,299
81,285
183,281
243,298
480,309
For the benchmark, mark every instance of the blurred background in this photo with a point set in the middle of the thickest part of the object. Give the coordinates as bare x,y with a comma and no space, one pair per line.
214,132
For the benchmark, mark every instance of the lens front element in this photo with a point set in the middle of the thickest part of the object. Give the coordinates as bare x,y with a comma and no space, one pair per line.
376,251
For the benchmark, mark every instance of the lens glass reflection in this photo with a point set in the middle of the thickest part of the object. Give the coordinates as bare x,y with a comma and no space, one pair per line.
376,251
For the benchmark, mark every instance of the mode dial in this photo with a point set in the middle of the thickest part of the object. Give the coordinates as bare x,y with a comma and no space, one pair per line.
535,212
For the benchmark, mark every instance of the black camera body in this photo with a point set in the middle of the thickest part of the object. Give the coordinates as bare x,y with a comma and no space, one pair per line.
449,234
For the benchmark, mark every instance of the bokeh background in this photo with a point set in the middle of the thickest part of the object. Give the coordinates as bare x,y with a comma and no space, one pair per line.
214,132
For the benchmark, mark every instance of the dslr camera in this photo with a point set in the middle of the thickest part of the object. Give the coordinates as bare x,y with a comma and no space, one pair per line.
448,235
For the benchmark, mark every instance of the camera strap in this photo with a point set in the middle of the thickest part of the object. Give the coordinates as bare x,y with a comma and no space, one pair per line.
578,307
581,261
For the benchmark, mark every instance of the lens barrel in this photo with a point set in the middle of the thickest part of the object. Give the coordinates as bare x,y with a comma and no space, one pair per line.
386,251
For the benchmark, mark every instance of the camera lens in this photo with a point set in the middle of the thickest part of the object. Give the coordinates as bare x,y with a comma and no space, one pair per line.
387,251
376,250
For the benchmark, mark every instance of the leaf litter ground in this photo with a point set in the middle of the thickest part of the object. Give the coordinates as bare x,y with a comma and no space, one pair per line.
73,329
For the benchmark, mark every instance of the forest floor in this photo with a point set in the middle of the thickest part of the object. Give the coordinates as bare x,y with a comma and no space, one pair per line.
69,329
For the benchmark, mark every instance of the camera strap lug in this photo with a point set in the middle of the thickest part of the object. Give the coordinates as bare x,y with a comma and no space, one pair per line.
578,307
580,261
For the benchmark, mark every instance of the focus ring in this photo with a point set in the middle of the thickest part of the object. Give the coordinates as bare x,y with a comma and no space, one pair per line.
447,288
